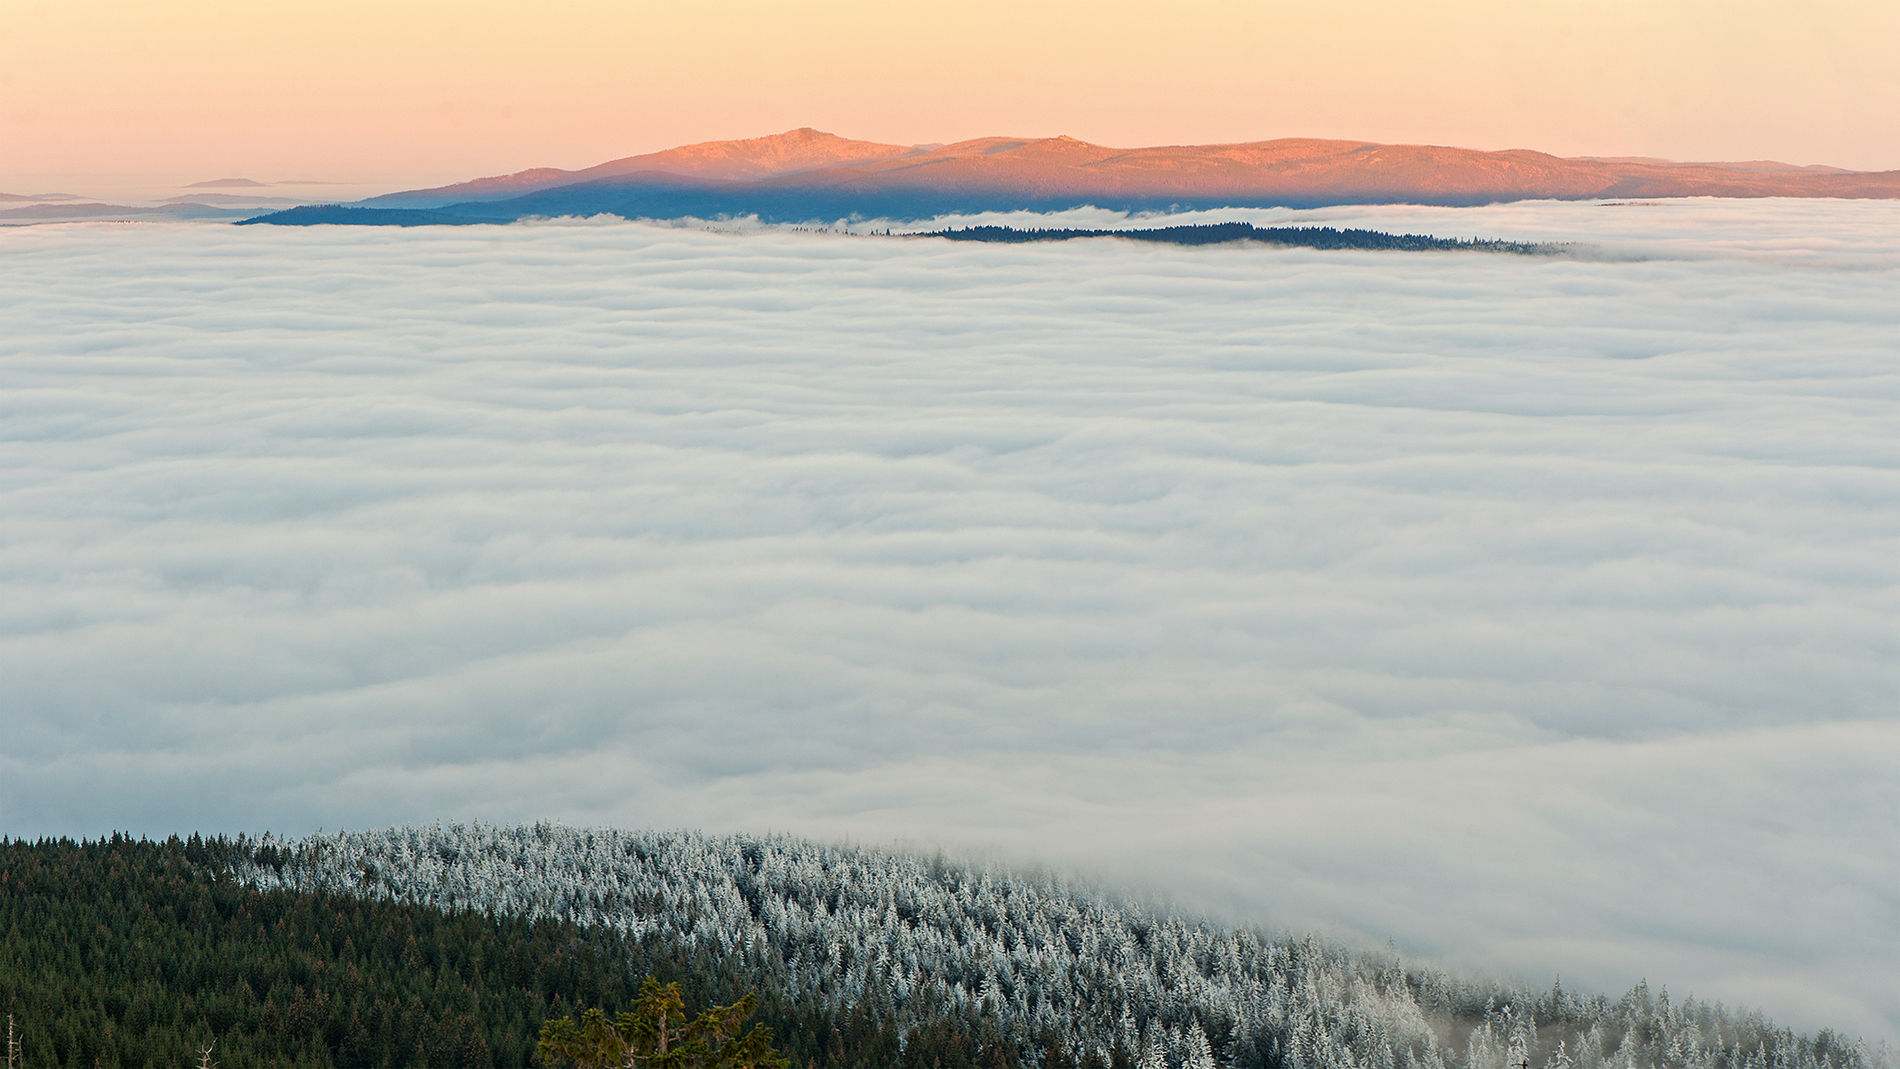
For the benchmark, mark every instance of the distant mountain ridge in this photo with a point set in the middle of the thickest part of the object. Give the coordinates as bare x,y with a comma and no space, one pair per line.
732,161
808,175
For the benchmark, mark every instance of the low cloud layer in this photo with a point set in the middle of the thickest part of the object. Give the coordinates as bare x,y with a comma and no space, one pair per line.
1538,614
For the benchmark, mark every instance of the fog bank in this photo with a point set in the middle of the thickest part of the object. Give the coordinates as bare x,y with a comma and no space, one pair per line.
1538,614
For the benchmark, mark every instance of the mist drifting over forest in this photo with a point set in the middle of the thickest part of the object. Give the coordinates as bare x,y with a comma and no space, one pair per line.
1066,973
1535,613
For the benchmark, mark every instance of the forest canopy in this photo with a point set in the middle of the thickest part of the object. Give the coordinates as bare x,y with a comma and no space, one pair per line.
123,952
469,945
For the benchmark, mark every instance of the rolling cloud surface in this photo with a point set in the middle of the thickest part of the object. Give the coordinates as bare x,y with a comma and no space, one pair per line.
1538,614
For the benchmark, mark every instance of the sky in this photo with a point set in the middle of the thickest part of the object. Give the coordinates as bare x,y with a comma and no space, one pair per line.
1536,614
98,92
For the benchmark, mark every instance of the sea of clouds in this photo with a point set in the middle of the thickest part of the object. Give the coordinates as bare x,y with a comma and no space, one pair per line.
1540,614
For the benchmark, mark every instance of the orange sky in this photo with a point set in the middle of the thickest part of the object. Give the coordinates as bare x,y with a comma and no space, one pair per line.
410,91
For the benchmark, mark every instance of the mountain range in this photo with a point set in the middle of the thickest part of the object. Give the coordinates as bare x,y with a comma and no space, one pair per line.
809,175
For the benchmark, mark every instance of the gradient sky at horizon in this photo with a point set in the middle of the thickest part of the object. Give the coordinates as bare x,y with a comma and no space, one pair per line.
406,94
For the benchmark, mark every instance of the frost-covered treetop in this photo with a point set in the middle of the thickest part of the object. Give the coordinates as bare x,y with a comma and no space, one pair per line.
1044,955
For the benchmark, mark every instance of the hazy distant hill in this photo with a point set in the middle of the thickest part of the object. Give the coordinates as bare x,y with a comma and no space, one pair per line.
67,211
807,175
1756,166
86,210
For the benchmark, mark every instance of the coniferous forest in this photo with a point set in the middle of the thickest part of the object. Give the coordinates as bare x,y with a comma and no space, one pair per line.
138,953
1311,237
451,946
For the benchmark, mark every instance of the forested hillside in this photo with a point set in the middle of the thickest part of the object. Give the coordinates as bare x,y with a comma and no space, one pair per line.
1065,972
135,953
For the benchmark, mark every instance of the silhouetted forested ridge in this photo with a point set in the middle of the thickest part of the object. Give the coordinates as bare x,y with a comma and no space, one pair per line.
345,215
1312,237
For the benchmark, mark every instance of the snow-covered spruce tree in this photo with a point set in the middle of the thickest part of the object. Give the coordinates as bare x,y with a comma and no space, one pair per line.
1050,960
